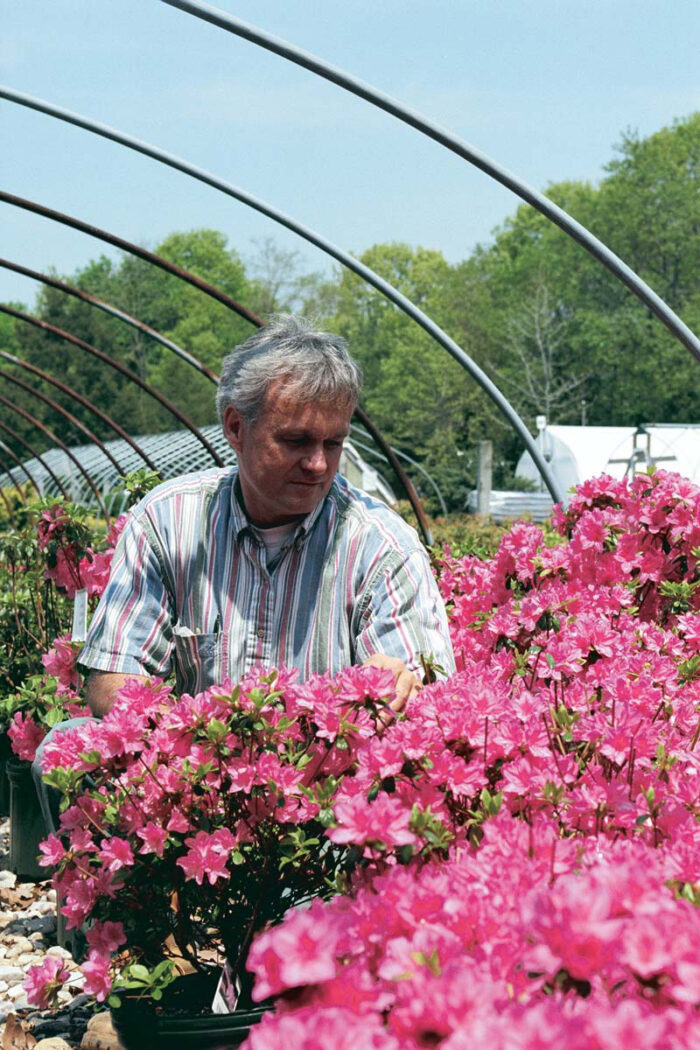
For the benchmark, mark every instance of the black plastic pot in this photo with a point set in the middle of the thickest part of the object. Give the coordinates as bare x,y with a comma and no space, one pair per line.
26,822
5,753
178,1023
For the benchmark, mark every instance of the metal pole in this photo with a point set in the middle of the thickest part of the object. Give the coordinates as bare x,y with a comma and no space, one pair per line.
402,455
114,311
15,484
133,249
346,260
8,505
458,146
54,405
16,437
132,376
57,441
19,462
484,478
83,401
400,473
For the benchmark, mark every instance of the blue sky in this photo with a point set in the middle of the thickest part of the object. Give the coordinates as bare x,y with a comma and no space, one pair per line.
544,87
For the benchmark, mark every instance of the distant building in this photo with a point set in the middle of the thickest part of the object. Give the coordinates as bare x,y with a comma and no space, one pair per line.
575,454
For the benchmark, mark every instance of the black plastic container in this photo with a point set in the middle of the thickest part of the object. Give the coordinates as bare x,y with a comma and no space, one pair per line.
26,822
178,1022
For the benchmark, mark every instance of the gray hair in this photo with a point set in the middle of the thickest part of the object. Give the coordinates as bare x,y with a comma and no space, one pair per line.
316,365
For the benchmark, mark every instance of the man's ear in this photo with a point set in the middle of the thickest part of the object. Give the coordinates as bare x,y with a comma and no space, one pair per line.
233,425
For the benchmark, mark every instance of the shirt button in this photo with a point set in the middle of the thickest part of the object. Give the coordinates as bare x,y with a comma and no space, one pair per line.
261,632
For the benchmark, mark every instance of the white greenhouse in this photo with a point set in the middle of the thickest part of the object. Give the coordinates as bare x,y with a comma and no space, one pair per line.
576,454
176,452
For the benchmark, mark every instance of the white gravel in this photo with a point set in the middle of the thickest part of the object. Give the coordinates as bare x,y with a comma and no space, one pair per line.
27,936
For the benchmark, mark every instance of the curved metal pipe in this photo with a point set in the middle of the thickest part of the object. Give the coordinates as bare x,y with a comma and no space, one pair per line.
114,311
8,505
462,149
414,463
35,454
400,473
346,260
17,437
75,341
81,400
54,405
15,484
100,304
132,249
57,441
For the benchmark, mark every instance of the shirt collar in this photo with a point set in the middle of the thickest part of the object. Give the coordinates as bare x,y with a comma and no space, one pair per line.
241,521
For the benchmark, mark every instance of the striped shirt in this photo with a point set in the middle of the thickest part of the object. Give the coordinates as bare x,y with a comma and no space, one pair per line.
191,589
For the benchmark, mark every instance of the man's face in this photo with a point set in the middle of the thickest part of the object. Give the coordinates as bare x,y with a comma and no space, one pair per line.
288,457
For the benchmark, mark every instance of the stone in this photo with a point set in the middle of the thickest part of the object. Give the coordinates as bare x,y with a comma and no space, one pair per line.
40,908
54,1042
42,924
11,974
59,952
8,879
20,946
100,1034
79,1001
51,1026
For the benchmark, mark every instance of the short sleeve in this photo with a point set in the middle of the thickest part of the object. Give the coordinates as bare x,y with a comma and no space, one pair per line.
400,613
132,629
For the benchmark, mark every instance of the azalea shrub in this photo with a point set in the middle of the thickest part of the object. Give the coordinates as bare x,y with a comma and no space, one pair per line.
67,555
58,550
560,779
199,821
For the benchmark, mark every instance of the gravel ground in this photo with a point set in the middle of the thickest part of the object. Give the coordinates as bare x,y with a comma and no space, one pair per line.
27,936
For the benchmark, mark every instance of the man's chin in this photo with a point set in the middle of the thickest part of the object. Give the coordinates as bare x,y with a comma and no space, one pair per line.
302,494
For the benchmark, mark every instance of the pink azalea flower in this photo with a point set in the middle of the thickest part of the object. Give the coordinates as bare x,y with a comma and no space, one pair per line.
154,838
52,850
301,951
208,855
44,980
116,853
60,662
97,977
106,937
385,822
25,735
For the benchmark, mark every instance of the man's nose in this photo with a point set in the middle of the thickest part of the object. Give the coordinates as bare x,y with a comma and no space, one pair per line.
316,461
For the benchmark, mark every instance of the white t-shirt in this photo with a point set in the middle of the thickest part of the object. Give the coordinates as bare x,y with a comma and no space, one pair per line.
274,538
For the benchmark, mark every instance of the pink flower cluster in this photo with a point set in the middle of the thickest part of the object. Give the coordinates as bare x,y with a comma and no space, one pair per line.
212,800
72,563
530,831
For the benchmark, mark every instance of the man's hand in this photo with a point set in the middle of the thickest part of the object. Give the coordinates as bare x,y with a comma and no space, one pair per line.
405,682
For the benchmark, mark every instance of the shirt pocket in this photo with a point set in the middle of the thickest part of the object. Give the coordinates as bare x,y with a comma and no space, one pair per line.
200,660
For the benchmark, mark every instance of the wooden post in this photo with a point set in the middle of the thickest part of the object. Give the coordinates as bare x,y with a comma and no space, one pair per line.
484,478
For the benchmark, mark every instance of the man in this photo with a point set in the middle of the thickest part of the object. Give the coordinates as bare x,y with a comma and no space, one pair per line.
276,561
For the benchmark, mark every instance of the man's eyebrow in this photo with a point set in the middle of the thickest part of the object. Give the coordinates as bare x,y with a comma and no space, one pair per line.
299,432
